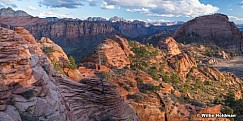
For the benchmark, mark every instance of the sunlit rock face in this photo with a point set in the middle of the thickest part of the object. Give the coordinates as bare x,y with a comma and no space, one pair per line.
31,90
216,28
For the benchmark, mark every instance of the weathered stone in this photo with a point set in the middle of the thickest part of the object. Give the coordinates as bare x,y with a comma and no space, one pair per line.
29,82
13,112
5,117
215,27
170,45
112,52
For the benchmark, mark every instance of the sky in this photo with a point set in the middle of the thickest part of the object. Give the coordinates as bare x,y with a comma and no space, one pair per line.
146,10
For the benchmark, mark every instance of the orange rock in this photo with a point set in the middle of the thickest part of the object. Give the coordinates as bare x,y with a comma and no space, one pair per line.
170,45
113,53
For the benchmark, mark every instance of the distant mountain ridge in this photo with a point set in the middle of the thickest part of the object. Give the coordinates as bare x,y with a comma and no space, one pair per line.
9,12
240,26
216,28
78,37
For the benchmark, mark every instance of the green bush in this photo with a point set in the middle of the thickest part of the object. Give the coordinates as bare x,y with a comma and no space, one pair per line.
48,50
56,66
153,71
175,79
72,64
136,97
105,75
227,110
148,87
139,80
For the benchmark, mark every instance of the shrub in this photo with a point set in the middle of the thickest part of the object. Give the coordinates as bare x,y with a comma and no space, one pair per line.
175,79
148,87
72,64
153,71
127,88
56,66
48,50
105,75
139,80
136,97
227,110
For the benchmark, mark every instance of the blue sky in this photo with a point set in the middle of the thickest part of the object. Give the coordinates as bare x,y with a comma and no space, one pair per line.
147,10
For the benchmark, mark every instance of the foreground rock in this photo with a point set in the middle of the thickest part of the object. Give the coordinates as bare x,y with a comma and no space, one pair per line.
31,90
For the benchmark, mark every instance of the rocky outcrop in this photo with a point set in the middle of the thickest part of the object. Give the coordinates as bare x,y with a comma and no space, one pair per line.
170,45
81,36
9,12
58,57
182,64
216,27
53,51
31,90
112,52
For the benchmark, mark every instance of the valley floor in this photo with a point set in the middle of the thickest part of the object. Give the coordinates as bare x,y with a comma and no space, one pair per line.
234,65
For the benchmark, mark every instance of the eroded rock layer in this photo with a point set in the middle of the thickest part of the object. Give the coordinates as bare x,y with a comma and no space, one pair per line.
31,90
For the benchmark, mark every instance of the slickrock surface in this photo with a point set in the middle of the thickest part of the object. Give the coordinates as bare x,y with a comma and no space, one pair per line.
170,45
112,52
31,89
56,53
182,63
215,27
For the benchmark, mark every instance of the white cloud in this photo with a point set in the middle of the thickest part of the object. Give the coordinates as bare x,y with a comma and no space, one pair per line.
234,18
105,6
166,8
52,14
153,21
241,3
32,8
142,10
68,3
7,3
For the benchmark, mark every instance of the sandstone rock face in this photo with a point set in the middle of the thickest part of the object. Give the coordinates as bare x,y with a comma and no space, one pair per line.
214,27
112,52
56,54
182,63
31,90
170,45
70,29
210,110
81,36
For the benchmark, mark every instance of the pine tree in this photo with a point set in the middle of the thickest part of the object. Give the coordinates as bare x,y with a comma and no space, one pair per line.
71,64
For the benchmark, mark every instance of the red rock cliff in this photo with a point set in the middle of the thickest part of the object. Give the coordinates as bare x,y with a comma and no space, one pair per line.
215,27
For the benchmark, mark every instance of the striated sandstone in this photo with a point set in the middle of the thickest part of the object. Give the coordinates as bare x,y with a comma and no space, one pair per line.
182,64
31,89
113,52
170,45
216,27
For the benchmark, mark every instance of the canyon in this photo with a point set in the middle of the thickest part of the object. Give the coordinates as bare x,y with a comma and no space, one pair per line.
124,71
